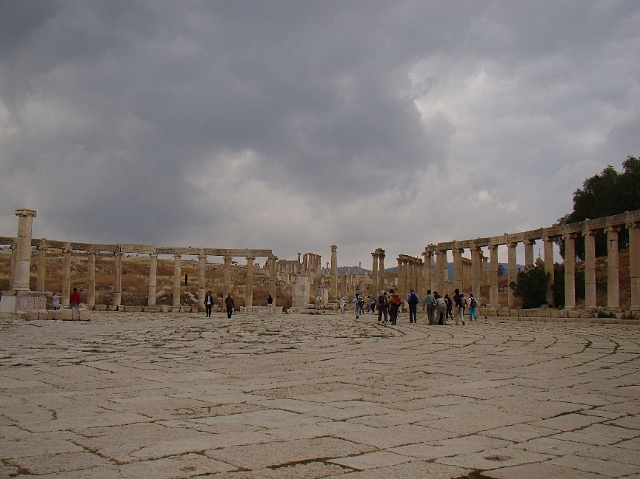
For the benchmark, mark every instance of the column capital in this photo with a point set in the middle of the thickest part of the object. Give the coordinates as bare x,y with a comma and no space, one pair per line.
572,236
25,212
202,256
250,258
177,255
529,241
612,229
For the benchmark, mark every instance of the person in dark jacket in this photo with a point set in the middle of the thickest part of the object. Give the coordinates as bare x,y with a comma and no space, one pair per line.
228,302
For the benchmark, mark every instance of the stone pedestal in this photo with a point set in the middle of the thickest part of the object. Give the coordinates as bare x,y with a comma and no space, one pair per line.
300,292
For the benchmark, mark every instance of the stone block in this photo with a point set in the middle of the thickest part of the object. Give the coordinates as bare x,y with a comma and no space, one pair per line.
151,309
64,315
165,308
75,314
43,314
132,309
30,315
112,307
504,312
574,314
51,314
100,307
84,314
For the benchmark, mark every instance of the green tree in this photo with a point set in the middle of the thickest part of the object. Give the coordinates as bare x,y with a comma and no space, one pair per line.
532,285
605,194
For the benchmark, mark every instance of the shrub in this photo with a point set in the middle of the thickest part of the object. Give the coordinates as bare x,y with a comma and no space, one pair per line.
532,285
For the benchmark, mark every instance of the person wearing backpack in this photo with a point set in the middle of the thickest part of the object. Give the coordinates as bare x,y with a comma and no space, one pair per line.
394,306
412,301
473,304
459,301
383,307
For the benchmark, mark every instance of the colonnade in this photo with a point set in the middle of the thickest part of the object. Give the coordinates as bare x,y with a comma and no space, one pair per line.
410,273
21,257
436,266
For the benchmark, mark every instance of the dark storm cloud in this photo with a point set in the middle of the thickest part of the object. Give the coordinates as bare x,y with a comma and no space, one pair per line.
242,121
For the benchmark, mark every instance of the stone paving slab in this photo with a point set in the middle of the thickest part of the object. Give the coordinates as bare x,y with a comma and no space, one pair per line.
178,395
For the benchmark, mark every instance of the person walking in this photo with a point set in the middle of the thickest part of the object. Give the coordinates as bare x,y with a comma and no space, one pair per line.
394,306
413,300
430,306
342,304
74,299
459,301
208,303
356,304
473,304
441,307
449,304
383,307
270,304
228,302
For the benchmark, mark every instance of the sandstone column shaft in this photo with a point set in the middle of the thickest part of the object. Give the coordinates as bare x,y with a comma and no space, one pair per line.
334,272
549,266
400,277
153,270
12,267
457,268
569,271
202,266
528,253
613,286
42,267
22,267
272,279
494,301
374,275
381,270
248,299
226,276
476,265
91,279
512,273
177,273
66,276
117,280
590,269
634,263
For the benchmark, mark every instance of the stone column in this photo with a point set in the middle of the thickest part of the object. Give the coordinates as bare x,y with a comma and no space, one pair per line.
428,271
153,269
512,273
400,277
374,275
476,265
42,267
613,287
117,280
91,279
334,272
177,273
202,267
444,272
248,298
226,275
22,266
528,253
634,262
590,268
12,267
457,268
381,270
548,266
494,301
569,270
66,276
272,279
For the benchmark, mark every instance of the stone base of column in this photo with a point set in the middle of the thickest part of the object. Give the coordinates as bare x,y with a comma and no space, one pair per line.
22,301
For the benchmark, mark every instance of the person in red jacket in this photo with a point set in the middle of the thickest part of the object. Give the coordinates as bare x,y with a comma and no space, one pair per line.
74,299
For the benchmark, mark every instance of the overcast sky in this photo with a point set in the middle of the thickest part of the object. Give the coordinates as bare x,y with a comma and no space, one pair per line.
294,125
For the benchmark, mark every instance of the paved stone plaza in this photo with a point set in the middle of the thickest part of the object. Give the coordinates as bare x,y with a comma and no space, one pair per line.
303,396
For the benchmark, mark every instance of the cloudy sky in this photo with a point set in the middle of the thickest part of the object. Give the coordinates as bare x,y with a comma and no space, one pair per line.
294,125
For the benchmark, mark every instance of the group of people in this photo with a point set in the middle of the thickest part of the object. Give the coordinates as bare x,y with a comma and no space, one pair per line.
438,308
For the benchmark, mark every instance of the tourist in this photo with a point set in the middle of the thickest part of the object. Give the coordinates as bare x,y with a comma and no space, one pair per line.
449,303
269,304
459,302
472,304
413,300
394,305
356,305
383,307
342,304
228,302
74,299
208,303
441,309
430,306
55,301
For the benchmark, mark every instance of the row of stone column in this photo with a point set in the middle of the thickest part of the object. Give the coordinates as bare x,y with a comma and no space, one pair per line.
117,280
377,271
410,272
437,270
